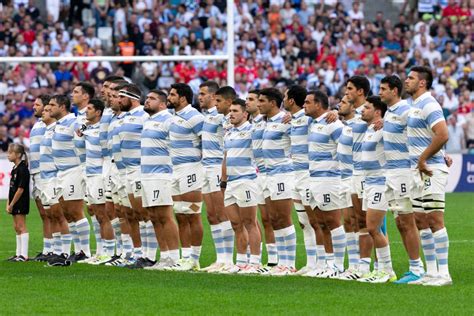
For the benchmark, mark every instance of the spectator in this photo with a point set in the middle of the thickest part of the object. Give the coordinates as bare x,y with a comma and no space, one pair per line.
5,140
456,142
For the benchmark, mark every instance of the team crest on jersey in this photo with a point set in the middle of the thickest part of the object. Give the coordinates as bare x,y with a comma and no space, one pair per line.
132,119
156,124
180,121
320,128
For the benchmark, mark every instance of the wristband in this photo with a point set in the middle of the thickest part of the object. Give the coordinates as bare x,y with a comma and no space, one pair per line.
223,184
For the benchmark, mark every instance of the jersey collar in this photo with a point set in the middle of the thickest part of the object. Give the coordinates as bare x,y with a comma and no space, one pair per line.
422,97
276,117
187,108
298,114
70,115
321,117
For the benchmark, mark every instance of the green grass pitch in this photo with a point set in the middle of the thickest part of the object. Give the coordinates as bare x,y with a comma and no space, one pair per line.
31,288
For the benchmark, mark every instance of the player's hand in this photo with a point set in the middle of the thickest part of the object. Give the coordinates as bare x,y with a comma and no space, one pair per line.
378,125
9,209
332,116
287,118
423,168
79,133
448,160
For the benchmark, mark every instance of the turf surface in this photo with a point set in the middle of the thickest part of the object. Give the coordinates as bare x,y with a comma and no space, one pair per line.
31,288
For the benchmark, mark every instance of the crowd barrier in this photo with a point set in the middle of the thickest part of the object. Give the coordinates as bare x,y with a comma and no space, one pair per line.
461,174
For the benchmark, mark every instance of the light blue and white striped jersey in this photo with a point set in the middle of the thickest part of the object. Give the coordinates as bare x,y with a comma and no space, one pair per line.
130,137
104,129
210,112
277,145
373,157
239,153
425,113
323,139
155,143
258,125
395,137
300,124
79,141
114,140
64,150
36,134
94,158
47,166
359,127
344,150
213,131
185,136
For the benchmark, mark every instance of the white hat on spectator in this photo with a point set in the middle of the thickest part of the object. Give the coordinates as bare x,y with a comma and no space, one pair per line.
77,32
141,6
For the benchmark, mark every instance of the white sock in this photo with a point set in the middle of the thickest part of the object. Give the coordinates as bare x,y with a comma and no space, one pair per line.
137,252
309,239
84,231
57,244
338,237
416,266
109,247
165,254
429,250
174,254
272,254
241,258
143,237
364,265
228,240
352,254
185,253
442,250
98,238
218,238
152,241
329,258
24,244
321,257
289,233
384,259
75,237
47,245
255,259
66,240
248,253
18,246
196,253
281,247
127,245
117,232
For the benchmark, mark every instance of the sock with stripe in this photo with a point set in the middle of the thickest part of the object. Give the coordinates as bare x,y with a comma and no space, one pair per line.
442,249
329,259
320,257
109,246
57,244
364,265
152,241
384,259
272,254
127,245
137,253
47,245
416,266
338,237
428,246
66,240
352,254
186,253
228,241
75,237
289,234
117,232
84,231
281,247
255,259
143,237
309,239
241,259
98,238
196,253
217,237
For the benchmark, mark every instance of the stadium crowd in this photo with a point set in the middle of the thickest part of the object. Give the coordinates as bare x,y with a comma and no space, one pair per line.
277,43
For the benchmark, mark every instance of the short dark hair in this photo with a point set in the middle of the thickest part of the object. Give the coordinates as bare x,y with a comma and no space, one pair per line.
240,102
133,88
255,91
298,94
161,95
227,92
320,97
360,82
272,94
44,98
87,88
212,86
393,82
121,85
424,73
113,78
62,99
378,104
98,105
183,90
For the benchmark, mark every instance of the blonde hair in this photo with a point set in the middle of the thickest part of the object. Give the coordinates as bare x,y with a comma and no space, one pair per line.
19,149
